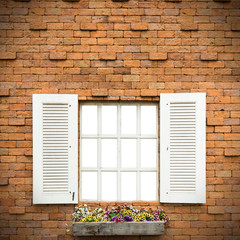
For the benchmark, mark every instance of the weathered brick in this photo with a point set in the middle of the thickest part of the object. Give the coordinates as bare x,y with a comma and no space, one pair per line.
149,92
17,210
189,27
88,26
99,92
71,0
4,92
38,25
3,181
16,121
157,56
215,121
107,56
139,26
208,56
8,55
232,152
58,55
216,210
235,27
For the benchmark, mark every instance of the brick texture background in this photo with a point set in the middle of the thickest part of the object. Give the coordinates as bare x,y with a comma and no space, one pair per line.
113,50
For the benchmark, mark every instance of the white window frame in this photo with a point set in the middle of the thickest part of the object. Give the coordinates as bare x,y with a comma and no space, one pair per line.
119,136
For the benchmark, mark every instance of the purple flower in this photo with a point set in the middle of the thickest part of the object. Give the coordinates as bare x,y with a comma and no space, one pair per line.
113,219
128,219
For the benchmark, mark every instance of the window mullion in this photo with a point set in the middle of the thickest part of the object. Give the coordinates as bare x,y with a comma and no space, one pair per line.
119,152
99,154
138,151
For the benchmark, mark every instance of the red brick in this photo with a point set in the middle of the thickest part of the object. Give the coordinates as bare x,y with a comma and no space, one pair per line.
3,181
149,92
99,92
189,27
215,121
8,55
16,121
17,210
232,152
209,56
88,26
139,26
235,27
216,210
38,25
4,92
107,56
157,56
58,55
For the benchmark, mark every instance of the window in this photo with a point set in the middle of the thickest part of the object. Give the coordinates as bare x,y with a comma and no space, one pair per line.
118,151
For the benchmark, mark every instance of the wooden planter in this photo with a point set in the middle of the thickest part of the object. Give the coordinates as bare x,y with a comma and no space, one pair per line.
111,229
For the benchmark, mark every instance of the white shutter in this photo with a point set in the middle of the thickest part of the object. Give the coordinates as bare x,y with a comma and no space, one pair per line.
183,147
55,148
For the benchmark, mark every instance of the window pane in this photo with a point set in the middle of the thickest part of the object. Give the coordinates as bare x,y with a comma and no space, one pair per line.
89,119
148,153
109,153
128,153
89,186
109,119
128,186
128,119
109,186
148,186
89,152
148,120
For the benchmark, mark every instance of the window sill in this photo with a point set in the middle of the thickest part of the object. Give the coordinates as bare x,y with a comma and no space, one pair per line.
114,229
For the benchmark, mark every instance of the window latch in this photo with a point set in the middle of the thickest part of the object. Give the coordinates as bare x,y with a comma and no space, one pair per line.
73,196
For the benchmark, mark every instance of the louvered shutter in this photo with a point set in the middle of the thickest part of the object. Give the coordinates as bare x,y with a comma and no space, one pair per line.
182,148
55,148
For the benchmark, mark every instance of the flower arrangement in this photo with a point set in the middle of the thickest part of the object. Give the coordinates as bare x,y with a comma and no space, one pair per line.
123,213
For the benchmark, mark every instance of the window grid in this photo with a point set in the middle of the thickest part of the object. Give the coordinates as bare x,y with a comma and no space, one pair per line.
119,136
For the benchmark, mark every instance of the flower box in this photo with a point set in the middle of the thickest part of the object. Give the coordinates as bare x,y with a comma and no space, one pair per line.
121,228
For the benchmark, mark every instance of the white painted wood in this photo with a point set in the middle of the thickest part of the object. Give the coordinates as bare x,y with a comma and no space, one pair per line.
114,229
55,148
183,147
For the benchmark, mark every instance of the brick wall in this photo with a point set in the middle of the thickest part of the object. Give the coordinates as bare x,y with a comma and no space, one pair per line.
111,50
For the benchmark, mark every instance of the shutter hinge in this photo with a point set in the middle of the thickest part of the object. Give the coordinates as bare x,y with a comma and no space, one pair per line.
73,196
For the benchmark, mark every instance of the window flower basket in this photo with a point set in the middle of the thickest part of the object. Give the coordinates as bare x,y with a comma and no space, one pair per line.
118,221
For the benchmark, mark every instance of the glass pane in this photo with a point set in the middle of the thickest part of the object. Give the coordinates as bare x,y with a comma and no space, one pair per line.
89,186
89,119
128,119
109,186
128,186
148,186
148,120
109,119
148,153
109,153
89,152
128,153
